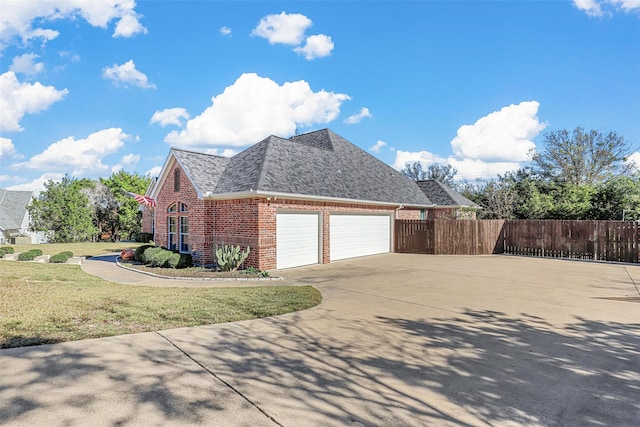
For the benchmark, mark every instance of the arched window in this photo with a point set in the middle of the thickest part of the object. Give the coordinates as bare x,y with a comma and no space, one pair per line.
178,227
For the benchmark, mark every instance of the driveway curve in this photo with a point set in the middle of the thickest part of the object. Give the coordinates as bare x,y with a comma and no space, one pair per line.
397,340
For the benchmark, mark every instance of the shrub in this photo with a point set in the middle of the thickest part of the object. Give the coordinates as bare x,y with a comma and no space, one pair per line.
144,237
137,255
29,255
7,249
38,252
229,258
69,254
60,258
160,257
178,260
145,254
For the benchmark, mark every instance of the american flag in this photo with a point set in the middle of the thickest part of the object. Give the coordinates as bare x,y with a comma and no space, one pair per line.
143,200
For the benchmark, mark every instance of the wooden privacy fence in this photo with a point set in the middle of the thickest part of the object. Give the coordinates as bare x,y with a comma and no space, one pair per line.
449,237
595,240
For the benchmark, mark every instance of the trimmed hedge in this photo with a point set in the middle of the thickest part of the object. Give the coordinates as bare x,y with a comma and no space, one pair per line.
160,258
29,255
6,250
178,260
156,256
137,254
69,254
60,258
144,237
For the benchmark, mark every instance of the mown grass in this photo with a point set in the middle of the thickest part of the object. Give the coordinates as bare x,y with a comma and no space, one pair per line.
84,249
49,303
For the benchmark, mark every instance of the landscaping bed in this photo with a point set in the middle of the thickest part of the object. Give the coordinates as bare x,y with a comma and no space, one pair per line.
196,272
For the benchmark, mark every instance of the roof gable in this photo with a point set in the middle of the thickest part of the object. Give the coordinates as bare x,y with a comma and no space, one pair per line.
13,208
442,195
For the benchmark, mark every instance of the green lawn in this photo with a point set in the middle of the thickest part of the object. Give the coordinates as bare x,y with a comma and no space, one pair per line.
79,249
49,303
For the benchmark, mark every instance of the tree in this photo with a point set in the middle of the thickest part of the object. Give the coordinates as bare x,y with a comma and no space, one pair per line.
105,210
581,157
617,199
442,173
497,198
63,211
414,171
129,212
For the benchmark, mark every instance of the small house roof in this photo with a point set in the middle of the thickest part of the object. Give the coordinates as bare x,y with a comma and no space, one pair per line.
13,208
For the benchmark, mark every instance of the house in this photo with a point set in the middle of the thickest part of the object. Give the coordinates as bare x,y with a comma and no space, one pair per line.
312,198
14,218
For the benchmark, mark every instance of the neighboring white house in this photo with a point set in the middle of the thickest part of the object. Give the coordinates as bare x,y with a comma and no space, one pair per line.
14,218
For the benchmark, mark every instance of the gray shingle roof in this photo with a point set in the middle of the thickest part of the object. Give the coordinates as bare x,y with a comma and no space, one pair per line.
13,208
319,163
442,195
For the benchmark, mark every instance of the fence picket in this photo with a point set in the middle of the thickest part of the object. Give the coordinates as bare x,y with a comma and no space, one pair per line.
595,240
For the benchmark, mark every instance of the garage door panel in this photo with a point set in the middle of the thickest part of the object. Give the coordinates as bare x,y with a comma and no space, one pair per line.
359,235
296,239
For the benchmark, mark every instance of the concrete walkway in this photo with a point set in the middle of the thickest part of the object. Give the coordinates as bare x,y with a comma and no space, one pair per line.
398,340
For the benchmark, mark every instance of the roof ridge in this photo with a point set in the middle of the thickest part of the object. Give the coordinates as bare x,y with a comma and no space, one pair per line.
262,172
198,152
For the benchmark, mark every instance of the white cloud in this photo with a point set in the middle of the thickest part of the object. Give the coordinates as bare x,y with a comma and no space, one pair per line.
225,31
128,26
154,171
227,152
7,149
26,64
317,46
634,159
80,157
357,117
504,135
253,108
18,99
286,28
606,7
126,75
38,183
590,7
495,144
24,19
469,169
377,146
170,116
127,160
425,157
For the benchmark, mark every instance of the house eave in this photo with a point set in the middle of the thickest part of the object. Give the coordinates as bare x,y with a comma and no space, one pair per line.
305,197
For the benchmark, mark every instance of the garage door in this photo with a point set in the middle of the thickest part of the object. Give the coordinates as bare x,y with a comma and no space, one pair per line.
296,239
359,235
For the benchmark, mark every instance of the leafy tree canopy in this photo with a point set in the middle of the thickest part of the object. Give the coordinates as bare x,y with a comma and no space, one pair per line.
581,157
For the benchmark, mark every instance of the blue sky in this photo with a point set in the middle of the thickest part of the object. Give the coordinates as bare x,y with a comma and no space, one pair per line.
89,88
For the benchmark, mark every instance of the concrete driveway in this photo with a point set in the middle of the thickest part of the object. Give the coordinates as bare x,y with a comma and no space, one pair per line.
398,340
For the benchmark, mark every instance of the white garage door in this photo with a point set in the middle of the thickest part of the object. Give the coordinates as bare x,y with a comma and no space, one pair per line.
359,235
296,239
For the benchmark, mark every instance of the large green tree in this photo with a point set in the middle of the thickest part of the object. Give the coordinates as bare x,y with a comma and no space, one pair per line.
62,210
581,157
129,220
